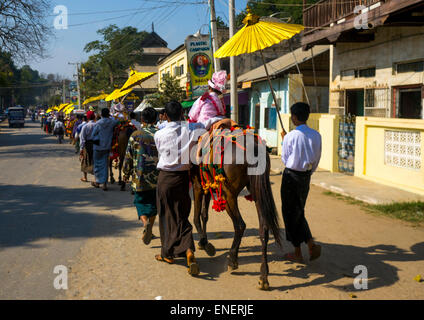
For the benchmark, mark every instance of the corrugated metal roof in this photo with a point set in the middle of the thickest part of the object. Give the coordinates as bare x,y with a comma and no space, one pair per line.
282,63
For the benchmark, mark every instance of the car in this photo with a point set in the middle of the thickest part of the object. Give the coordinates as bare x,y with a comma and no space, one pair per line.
16,117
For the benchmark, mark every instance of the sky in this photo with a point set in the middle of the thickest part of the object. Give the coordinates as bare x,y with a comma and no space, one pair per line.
173,20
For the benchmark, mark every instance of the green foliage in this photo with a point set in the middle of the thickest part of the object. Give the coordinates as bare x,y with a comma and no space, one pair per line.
169,89
118,50
287,8
406,211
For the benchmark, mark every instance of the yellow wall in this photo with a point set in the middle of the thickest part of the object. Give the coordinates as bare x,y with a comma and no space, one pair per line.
167,66
370,154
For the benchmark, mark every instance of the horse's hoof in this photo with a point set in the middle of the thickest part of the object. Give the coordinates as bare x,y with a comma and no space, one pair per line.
263,285
210,249
232,266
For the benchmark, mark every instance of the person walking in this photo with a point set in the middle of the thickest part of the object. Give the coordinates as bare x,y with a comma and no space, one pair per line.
174,143
59,130
140,163
301,153
102,139
86,145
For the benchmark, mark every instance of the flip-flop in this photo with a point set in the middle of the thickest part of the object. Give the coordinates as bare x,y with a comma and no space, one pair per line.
315,252
84,180
158,257
291,257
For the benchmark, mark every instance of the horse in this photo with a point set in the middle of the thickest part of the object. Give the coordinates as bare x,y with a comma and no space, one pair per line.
236,179
120,140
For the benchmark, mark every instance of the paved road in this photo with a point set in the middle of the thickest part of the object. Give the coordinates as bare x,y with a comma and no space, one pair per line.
46,213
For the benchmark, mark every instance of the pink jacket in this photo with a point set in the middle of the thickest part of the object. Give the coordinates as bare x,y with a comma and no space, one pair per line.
204,109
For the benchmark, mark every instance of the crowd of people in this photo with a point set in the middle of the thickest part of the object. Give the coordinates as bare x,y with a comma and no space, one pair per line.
160,179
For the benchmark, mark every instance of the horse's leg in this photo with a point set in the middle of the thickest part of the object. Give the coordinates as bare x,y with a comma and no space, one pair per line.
239,227
112,180
121,182
204,244
264,235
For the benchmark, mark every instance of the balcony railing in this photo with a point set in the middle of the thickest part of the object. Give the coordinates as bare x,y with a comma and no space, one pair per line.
324,12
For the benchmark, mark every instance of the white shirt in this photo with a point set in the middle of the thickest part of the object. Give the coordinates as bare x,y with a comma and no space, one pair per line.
161,124
302,149
174,144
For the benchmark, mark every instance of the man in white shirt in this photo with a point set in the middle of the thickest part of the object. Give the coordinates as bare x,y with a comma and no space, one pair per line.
301,153
174,144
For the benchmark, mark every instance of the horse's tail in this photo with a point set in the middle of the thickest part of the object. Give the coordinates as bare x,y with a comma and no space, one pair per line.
260,188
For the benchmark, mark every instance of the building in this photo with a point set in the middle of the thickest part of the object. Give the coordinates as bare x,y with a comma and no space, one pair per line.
153,48
377,75
174,64
260,110
377,70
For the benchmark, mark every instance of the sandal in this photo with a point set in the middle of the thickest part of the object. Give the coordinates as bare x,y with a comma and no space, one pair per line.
147,234
291,257
84,180
95,185
158,257
315,252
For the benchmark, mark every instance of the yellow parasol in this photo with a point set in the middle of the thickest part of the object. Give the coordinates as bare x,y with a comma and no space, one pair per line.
96,98
116,94
49,110
69,109
62,107
136,78
257,35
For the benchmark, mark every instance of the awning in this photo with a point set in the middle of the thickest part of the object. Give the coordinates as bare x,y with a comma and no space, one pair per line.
187,104
143,105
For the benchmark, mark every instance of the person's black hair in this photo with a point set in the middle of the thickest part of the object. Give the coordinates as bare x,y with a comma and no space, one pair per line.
173,110
132,115
105,113
162,111
85,118
301,110
149,115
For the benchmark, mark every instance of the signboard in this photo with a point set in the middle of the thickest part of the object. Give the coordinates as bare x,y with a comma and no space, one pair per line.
200,63
74,97
130,106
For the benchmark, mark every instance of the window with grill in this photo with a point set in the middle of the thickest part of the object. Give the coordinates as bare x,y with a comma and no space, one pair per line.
271,118
417,66
365,73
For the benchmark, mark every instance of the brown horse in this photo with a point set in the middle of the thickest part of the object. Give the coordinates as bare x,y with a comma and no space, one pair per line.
237,178
121,137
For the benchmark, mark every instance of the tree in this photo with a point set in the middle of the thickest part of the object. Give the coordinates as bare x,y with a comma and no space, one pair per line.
24,30
118,50
169,89
288,8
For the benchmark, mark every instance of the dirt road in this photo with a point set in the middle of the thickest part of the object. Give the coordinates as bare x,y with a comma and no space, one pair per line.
392,251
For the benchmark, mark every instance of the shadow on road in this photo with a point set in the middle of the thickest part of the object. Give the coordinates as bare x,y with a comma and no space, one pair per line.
29,213
337,262
10,137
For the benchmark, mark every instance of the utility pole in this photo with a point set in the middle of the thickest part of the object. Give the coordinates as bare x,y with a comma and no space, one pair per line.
233,66
78,85
214,35
63,91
